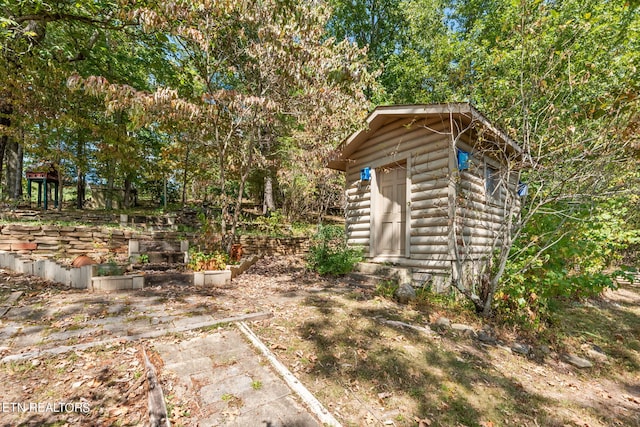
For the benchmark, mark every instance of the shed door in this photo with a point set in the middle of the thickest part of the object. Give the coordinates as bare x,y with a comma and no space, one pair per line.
390,211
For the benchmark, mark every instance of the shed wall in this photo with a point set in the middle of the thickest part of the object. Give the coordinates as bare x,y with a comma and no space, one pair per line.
424,147
479,214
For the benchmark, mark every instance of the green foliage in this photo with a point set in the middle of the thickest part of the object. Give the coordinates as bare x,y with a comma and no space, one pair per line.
144,259
329,252
546,269
387,288
110,269
200,261
273,225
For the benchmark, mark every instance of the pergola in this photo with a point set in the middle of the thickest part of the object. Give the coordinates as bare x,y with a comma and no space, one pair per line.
43,179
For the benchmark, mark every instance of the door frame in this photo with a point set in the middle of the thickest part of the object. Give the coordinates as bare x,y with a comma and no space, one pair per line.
404,161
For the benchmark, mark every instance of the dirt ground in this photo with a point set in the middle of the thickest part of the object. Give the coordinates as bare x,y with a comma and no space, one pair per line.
339,338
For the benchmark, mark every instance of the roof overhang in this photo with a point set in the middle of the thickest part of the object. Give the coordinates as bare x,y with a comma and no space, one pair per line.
464,112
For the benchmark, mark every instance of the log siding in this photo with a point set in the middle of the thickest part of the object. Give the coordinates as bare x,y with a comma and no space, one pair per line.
450,214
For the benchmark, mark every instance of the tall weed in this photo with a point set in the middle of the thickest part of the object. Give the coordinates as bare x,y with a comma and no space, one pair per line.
329,252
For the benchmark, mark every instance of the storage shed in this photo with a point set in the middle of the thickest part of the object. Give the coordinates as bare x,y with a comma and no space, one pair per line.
430,187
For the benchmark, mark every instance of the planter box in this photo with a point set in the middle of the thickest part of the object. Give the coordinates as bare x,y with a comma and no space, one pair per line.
117,283
212,278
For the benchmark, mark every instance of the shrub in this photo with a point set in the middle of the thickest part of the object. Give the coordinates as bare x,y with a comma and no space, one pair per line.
200,261
575,265
329,252
110,269
273,224
387,288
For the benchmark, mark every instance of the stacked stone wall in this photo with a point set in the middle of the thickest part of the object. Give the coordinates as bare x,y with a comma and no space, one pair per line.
258,245
49,241
42,241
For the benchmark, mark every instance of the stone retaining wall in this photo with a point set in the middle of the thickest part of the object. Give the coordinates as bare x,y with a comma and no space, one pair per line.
257,245
52,241
49,241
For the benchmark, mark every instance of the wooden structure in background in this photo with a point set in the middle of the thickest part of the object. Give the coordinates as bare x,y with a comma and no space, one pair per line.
43,179
428,185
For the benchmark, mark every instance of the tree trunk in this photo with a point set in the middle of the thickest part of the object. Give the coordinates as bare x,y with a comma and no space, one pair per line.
6,110
127,193
80,189
268,204
164,193
60,188
108,198
184,178
18,193
14,169
4,141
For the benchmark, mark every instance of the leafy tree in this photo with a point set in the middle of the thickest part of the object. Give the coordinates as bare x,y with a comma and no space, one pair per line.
558,76
42,43
258,75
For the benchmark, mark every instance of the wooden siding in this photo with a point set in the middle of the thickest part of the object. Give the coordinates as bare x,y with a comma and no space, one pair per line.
424,148
479,216
449,213
451,222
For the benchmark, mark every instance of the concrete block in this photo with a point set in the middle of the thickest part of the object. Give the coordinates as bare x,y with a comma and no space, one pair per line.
24,266
50,270
63,275
138,282
184,246
38,268
3,259
117,283
134,247
11,261
198,278
212,278
76,278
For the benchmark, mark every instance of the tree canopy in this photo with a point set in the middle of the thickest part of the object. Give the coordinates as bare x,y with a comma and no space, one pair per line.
225,100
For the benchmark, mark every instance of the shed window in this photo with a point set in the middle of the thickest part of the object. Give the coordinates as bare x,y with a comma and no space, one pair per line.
491,181
463,159
523,189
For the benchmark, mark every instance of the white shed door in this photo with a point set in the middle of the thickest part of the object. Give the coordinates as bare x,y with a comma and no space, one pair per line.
390,211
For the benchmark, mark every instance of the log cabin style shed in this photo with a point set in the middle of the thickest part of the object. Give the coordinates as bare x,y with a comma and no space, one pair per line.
429,187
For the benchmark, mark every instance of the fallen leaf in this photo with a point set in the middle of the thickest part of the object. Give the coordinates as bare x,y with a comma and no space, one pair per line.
93,383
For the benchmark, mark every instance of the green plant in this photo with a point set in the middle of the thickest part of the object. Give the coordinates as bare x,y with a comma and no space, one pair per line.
273,224
256,385
574,266
144,259
387,288
200,261
110,269
329,252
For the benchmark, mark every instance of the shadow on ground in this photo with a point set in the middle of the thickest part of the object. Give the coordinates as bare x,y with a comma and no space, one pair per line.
453,381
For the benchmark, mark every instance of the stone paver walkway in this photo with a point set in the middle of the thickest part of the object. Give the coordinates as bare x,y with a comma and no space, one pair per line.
231,384
229,381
